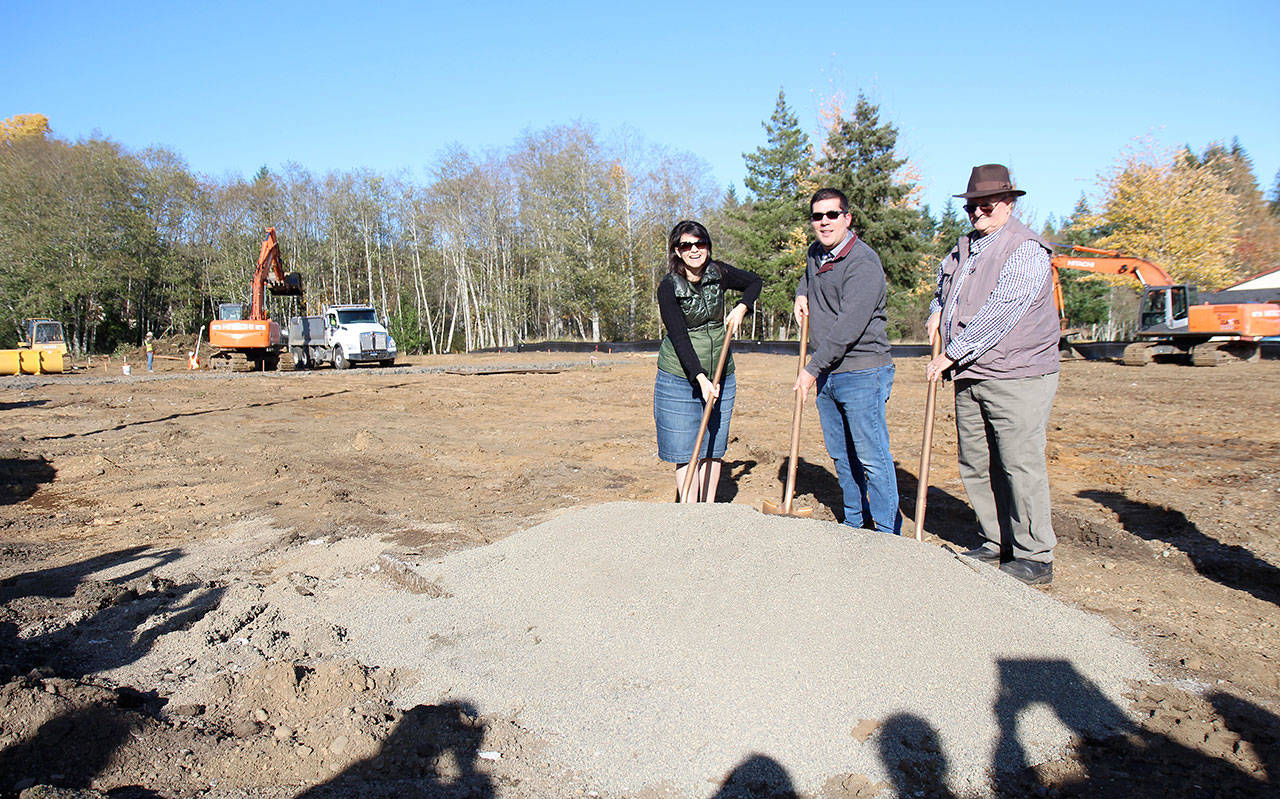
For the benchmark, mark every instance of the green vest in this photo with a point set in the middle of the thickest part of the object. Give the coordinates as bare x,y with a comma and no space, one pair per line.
703,307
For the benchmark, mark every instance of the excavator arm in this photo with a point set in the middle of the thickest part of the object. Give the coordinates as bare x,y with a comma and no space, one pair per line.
269,273
1105,262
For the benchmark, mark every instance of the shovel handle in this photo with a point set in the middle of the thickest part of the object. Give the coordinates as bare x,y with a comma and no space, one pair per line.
692,468
926,446
789,494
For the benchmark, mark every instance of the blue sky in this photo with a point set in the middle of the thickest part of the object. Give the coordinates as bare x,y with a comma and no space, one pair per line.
1057,91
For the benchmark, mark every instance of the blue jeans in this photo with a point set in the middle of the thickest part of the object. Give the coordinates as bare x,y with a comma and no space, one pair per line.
851,406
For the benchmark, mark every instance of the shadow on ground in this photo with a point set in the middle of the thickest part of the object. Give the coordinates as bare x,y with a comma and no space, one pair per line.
20,478
1230,565
431,754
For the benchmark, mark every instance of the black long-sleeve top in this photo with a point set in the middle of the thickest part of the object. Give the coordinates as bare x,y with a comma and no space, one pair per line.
749,283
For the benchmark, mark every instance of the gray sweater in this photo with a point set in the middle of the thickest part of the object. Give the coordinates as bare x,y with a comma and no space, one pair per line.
846,310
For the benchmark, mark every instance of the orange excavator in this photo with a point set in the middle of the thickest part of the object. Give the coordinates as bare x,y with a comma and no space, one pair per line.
251,341
1172,319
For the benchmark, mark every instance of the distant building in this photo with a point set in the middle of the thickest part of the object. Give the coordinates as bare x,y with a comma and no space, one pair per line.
1266,280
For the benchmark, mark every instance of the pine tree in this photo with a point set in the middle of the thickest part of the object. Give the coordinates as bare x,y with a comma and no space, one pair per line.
1086,301
859,158
948,230
769,235
1257,246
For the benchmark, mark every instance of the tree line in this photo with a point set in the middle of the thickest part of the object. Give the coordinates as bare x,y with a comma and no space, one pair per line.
560,235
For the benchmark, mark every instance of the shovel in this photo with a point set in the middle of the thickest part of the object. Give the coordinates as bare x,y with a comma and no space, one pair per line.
692,468
926,446
785,509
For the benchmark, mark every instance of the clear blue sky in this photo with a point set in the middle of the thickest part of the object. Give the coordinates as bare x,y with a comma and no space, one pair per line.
1055,90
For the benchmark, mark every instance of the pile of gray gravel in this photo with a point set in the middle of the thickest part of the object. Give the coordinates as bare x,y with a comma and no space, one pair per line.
660,646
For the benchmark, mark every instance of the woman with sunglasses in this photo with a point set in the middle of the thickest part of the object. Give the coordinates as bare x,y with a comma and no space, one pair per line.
691,300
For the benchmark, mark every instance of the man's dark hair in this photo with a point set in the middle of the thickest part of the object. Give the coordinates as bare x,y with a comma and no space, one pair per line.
829,194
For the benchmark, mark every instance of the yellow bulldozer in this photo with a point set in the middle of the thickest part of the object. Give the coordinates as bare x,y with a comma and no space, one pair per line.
40,351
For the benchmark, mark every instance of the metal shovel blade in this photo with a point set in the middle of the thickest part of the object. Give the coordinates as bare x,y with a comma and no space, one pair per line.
774,509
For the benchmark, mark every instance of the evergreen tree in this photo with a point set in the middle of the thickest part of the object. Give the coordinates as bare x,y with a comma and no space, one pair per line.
948,230
1086,302
859,158
1257,246
768,236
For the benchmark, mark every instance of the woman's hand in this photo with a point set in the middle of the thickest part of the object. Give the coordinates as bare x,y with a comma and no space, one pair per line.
733,321
709,390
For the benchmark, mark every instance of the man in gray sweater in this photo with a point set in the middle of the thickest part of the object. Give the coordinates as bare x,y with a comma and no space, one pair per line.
995,313
843,293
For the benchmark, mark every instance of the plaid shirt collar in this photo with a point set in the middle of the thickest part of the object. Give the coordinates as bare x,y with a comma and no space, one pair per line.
840,251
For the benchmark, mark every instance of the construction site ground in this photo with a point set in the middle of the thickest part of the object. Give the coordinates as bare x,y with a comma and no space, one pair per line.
1166,491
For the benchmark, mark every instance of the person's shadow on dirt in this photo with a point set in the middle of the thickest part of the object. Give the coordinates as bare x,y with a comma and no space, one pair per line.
913,756
814,481
947,516
757,777
431,754
730,475
69,751
1230,565
116,620
1119,758
23,476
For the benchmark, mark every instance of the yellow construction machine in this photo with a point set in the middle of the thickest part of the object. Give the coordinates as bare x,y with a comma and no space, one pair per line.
40,351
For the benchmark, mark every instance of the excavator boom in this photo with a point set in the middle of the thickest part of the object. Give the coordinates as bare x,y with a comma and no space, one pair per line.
269,273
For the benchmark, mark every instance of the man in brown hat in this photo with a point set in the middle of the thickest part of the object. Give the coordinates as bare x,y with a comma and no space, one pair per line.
995,312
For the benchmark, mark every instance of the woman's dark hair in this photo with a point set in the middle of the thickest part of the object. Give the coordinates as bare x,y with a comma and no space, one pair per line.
686,228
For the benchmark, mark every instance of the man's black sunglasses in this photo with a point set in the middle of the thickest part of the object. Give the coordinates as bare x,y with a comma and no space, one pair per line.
816,215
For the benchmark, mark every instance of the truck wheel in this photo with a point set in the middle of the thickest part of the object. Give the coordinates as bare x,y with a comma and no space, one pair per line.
340,358
299,358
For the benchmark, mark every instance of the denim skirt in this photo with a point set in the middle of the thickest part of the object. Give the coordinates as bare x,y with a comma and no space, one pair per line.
677,412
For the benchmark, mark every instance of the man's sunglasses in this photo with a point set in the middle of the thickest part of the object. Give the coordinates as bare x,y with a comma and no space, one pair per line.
685,246
986,207
817,215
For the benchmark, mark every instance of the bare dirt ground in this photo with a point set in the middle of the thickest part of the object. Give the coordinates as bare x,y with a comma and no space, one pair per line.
1166,483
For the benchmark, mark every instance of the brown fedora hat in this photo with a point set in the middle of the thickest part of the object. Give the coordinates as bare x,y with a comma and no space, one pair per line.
990,179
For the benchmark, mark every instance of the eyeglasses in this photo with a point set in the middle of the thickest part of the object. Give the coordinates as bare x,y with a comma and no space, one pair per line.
685,246
818,216
987,207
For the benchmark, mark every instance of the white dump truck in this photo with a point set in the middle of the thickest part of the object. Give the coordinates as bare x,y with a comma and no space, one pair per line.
342,335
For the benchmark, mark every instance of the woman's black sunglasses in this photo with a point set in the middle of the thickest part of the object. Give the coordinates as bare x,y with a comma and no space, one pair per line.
685,246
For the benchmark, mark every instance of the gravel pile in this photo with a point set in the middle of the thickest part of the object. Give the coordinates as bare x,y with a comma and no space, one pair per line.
661,646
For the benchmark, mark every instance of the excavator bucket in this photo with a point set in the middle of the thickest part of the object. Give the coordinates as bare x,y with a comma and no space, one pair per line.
291,286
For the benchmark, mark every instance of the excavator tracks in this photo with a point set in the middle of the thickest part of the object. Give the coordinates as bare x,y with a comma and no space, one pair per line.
1137,354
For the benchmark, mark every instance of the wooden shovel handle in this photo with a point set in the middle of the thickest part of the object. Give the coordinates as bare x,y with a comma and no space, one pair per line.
926,446
789,494
692,468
